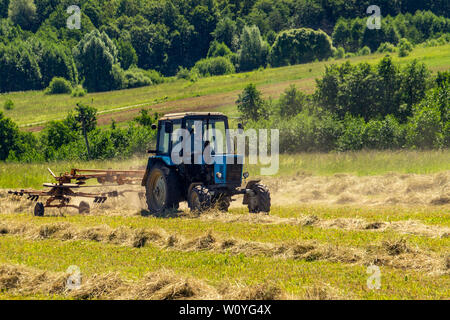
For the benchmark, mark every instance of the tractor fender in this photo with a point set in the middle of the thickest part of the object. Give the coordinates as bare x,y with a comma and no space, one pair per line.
249,186
151,163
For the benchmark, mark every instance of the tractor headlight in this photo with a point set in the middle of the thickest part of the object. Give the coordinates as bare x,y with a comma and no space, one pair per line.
219,175
246,175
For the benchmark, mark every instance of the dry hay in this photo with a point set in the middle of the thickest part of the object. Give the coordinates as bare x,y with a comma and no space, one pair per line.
161,285
350,224
397,254
388,189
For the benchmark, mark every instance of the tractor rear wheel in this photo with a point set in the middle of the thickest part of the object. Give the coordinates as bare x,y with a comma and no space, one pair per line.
199,199
162,190
84,208
39,209
260,202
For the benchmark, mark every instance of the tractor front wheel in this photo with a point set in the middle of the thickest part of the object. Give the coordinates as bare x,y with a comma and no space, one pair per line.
199,199
162,190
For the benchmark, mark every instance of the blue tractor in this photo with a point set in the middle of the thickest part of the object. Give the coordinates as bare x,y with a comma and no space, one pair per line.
206,176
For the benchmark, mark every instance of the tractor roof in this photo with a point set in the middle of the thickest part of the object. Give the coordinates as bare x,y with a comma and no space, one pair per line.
173,116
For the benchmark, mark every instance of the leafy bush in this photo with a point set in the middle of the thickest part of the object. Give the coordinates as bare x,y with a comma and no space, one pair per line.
339,53
59,85
405,47
183,73
154,76
9,105
218,50
300,46
386,47
365,51
214,66
425,130
135,77
78,91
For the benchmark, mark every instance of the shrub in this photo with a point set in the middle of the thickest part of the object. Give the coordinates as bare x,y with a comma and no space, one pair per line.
364,51
135,77
59,85
154,76
183,73
214,66
352,137
78,91
9,105
405,48
386,47
218,50
339,53
425,127
300,46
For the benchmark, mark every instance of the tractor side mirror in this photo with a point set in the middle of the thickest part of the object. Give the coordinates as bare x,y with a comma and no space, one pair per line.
240,126
154,127
169,127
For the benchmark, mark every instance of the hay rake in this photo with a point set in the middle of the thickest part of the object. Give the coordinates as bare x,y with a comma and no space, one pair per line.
60,194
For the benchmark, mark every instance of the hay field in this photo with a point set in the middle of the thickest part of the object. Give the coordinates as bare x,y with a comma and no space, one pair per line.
323,232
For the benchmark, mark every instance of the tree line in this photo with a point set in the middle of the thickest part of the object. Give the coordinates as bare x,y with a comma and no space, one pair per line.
358,107
131,43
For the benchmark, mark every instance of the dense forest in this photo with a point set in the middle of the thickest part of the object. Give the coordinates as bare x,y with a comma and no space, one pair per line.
131,43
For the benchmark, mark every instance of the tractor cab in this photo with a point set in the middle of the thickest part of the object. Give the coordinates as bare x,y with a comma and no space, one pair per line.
195,161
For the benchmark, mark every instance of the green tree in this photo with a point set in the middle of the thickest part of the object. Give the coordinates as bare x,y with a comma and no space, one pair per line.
19,68
96,55
9,135
251,105
23,13
84,119
254,50
225,32
291,102
300,46
127,55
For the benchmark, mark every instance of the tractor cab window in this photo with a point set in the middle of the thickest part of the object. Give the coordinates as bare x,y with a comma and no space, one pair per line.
163,140
212,131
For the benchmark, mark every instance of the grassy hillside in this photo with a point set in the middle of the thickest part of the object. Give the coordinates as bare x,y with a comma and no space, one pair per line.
34,108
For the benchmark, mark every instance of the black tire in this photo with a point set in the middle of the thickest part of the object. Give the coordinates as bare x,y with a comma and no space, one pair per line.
39,209
261,201
162,190
199,199
223,203
84,208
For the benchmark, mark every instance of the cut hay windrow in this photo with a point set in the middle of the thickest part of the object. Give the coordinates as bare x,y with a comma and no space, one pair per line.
350,224
393,253
161,285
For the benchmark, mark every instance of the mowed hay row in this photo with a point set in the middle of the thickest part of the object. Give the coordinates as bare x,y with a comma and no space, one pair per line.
396,253
345,189
161,285
337,190
350,224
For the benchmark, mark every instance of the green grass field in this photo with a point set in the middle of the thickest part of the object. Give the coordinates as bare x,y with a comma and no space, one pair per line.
298,251
364,163
333,215
33,108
